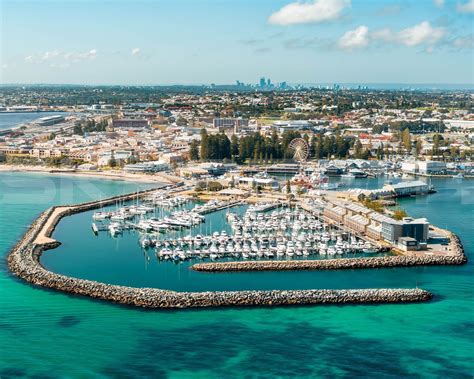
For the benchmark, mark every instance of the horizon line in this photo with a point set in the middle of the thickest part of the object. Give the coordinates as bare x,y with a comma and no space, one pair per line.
235,85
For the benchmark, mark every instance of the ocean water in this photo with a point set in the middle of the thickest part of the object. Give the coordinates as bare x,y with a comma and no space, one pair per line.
49,334
10,120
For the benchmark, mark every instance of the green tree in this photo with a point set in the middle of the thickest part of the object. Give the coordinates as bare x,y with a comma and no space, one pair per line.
437,141
112,161
376,206
204,144
406,139
234,146
399,214
194,151
418,147
358,149
328,146
78,130
342,147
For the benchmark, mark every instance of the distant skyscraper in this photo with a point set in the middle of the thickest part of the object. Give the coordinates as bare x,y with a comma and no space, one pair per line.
269,82
262,82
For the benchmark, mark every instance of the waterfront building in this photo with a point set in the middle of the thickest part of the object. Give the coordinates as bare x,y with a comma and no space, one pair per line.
362,220
408,243
119,156
374,230
431,167
418,229
45,153
423,167
51,120
151,166
333,170
216,169
415,187
355,209
250,182
334,213
283,168
357,223
20,151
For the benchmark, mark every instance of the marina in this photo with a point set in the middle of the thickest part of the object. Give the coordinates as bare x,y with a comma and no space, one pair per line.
257,231
163,258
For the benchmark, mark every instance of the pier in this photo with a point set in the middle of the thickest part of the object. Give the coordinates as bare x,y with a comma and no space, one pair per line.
211,209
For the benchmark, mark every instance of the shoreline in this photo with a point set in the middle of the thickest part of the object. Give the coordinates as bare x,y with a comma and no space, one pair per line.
112,175
24,262
25,124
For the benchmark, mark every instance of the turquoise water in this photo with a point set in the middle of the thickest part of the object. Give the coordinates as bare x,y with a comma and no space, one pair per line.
10,120
121,260
50,334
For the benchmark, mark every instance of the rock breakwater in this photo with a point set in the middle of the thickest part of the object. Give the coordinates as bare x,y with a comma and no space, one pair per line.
333,264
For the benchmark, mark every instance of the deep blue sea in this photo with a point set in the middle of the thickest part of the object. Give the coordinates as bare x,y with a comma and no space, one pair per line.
51,334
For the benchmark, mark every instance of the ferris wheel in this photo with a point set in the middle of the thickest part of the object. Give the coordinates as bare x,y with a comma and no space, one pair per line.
300,148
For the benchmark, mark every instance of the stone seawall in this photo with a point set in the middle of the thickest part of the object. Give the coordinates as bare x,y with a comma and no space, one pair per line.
24,262
333,264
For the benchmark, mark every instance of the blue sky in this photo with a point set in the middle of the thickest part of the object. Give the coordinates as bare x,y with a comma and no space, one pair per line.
220,41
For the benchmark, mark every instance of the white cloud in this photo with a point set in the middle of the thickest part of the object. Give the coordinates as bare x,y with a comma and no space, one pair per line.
383,34
56,59
467,7
309,12
49,55
77,57
136,51
355,39
40,58
439,3
422,33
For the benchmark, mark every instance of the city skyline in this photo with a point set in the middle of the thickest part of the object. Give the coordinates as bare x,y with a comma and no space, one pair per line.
321,41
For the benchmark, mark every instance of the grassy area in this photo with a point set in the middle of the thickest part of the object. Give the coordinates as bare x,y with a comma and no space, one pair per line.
268,120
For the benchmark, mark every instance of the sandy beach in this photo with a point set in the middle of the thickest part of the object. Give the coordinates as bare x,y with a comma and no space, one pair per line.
160,178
